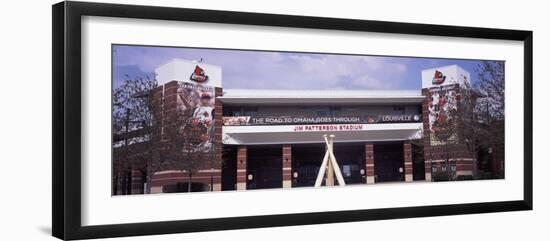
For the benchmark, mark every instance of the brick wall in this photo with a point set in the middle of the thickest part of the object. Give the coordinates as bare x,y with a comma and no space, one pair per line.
369,155
241,167
165,107
457,153
287,166
407,152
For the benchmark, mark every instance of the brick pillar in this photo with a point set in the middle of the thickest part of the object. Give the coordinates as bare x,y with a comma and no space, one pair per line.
427,135
217,168
119,183
125,182
407,152
287,166
369,168
241,168
137,182
170,102
427,162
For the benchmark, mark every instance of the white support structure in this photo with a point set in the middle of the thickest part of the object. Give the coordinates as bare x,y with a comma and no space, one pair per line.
330,163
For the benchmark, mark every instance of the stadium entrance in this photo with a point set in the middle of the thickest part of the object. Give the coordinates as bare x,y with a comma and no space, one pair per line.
267,166
264,167
389,162
307,158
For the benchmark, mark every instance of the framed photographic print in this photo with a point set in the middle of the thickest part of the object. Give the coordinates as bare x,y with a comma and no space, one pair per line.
170,120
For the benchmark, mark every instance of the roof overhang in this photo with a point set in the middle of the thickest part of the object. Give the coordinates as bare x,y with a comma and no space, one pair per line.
282,97
296,134
282,101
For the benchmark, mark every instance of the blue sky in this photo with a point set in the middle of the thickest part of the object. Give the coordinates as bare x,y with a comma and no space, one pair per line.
284,70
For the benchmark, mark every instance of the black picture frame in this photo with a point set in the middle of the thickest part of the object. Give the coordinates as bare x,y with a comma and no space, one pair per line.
66,166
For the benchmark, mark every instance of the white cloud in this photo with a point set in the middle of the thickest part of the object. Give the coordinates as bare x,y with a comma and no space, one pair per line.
367,82
337,71
256,69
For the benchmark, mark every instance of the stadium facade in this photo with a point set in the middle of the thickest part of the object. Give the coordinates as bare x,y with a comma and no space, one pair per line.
267,138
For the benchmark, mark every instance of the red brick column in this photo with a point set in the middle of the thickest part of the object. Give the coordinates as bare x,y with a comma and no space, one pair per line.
170,103
217,168
157,109
241,168
287,166
125,183
427,162
407,153
369,167
119,183
427,136
137,182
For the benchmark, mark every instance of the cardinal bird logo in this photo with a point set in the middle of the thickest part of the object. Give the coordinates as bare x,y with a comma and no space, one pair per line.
199,75
439,78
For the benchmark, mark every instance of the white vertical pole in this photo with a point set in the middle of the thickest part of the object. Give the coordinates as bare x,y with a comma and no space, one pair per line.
332,158
330,169
322,170
330,161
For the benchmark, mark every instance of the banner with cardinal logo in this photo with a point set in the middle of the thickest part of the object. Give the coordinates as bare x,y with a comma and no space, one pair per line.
439,78
443,92
189,71
199,75
197,82
196,107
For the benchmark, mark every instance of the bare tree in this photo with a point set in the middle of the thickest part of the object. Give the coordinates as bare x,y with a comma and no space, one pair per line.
491,87
133,127
445,124
190,143
490,108
427,150
478,119
470,131
150,138
446,138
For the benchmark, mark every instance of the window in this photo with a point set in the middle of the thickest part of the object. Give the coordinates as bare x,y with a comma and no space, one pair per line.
453,167
239,111
250,111
231,111
346,169
434,167
399,108
443,167
322,113
335,110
